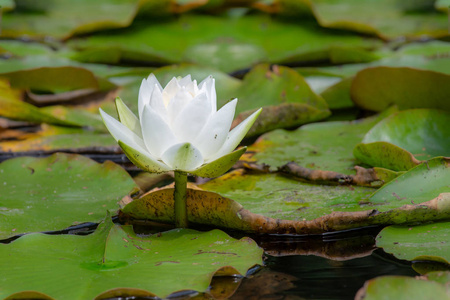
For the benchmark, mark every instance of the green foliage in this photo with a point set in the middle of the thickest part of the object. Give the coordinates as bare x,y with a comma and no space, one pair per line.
343,60
46,194
419,243
115,258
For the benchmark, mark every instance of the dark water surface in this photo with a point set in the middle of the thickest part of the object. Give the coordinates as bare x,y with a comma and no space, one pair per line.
322,267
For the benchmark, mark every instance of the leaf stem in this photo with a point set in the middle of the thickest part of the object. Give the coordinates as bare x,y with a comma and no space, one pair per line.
180,197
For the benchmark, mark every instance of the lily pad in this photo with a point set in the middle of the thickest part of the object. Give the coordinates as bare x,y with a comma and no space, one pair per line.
229,44
115,261
424,242
319,146
50,139
402,288
65,18
380,87
37,194
14,108
51,79
386,18
271,203
401,140
422,183
286,98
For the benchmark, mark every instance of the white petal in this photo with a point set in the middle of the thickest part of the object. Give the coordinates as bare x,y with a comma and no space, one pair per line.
170,91
236,135
127,117
209,84
186,80
157,134
177,104
157,103
183,157
213,135
123,133
151,79
192,88
145,92
191,120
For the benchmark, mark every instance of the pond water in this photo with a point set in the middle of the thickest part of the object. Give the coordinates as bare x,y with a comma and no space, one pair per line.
336,268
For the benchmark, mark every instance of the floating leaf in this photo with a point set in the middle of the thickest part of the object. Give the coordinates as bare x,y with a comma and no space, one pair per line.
12,107
402,288
286,98
320,146
115,261
233,43
275,204
423,242
380,87
401,140
65,18
43,194
50,139
386,18
294,211
422,183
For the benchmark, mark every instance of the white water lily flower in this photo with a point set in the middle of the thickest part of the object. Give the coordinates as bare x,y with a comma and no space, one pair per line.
179,128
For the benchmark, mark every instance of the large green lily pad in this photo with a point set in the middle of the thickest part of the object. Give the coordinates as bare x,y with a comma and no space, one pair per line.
286,98
423,242
430,56
386,18
422,183
380,87
50,139
115,261
274,204
11,106
61,19
51,74
402,288
401,140
44,194
324,146
225,43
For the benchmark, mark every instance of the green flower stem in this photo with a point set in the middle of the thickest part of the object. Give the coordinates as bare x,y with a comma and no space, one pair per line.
180,196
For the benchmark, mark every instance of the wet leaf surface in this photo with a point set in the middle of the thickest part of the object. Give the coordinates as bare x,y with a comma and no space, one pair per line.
422,183
407,88
404,139
320,146
114,261
428,242
57,192
402,287
270,203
